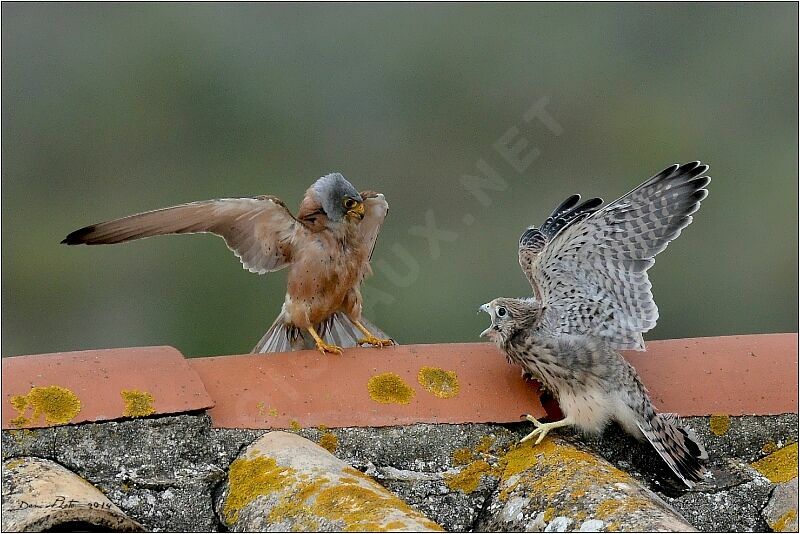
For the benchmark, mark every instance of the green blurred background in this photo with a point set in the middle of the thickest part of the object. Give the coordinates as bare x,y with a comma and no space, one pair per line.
110,109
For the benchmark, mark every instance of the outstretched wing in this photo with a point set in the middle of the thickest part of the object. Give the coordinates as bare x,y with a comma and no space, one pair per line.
588,265
375,210
258,230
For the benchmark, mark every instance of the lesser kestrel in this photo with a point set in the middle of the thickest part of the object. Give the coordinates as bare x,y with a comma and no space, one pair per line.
588,265
327,247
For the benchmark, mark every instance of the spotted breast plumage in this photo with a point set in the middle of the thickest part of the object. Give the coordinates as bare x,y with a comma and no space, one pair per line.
587,265
327,247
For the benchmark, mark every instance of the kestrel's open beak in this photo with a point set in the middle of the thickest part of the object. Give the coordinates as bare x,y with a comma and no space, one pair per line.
358,211
485,308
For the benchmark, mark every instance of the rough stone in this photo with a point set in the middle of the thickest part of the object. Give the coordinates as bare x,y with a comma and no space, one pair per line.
592,525
38,442
562,485
164,471
747,438
734,509
40,495
161,471
781,510
285,482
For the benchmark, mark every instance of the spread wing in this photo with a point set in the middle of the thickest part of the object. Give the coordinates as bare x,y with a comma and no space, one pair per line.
588,264
375,210
258,230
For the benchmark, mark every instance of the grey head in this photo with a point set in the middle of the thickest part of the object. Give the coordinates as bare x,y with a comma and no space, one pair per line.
509,316
338,197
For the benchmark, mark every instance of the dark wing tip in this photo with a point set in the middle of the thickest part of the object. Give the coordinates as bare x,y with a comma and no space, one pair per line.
532,239
78,237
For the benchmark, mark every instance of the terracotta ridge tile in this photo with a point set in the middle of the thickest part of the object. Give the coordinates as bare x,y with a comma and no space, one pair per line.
98,385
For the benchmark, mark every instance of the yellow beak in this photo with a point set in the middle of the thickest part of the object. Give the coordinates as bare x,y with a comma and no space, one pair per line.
358,211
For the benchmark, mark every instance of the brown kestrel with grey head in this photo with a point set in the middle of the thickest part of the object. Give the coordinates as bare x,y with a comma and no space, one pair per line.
327,247
587,265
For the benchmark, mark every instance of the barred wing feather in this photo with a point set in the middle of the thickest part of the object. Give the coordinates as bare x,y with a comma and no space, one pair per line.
588,264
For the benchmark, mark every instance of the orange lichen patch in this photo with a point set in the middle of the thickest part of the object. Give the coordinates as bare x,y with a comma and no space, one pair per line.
780,466
442,383
389,388
58,405
468,479
785,519
137,403
250,478
329,442
461,456
719,424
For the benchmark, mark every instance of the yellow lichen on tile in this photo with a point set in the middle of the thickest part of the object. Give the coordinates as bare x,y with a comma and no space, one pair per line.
780,466
719,424
389,388
485,444
562,466
329,442
461,457
305,499
263,410
468,479
137,403
354,472
769,447
58,405
294,424
611,508
442,383
250,478
15,463
549,514
786,518
359,508
293,504
21,435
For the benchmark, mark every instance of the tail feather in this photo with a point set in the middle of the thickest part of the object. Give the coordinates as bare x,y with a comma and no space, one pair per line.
338,329
677,446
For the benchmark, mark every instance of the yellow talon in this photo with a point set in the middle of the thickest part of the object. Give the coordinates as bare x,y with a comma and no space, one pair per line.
542,429
375,341
371,339
321,345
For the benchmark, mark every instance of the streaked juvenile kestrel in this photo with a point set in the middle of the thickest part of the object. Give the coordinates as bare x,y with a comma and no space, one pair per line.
588,265
327,247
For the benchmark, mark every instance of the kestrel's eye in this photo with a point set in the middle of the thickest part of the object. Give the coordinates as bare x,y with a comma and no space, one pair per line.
349,203
501,312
